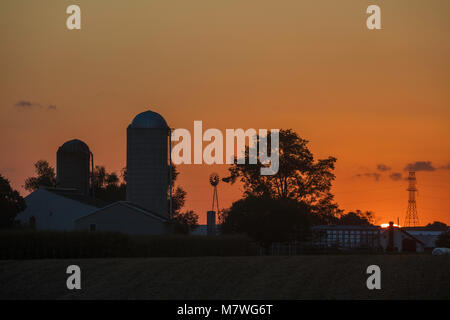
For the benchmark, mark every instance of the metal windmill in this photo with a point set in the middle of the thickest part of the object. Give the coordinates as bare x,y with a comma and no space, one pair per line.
214,181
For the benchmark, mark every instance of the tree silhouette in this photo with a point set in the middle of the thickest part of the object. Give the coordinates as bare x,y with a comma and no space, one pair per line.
443,240
184,222
299,177
357,218
437,225
11,203
178,199
45,177
108,186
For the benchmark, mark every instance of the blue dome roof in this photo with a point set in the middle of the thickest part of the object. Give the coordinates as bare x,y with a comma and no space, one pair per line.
149,119
74,145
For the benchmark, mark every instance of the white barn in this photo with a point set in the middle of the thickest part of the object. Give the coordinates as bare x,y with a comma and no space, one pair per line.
56,208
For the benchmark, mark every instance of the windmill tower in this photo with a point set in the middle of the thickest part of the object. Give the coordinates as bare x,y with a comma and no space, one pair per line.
211,215
412,219
214,181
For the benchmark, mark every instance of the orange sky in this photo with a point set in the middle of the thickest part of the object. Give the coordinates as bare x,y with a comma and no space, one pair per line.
365,97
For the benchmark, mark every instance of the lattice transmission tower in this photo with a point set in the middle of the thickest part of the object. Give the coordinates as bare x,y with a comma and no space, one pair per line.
412,218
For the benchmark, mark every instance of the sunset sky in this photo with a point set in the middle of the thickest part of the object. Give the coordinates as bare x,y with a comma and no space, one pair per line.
369,98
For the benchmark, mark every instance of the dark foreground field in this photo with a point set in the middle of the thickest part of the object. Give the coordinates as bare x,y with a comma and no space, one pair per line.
299,277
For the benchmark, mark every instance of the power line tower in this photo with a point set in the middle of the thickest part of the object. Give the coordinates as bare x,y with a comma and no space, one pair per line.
412,219
214,181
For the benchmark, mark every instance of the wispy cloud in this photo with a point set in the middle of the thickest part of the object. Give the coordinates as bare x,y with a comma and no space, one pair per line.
373,175
383,167
396,176
24,104
420,166
28,105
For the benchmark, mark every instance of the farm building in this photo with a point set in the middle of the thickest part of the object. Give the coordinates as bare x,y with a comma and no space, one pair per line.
56,208
396,239
125,217
428,235
346,237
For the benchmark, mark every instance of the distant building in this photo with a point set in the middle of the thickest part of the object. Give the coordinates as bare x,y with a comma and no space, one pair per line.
124,217
428,235
346,237
208,229
202,230
56,208
342,237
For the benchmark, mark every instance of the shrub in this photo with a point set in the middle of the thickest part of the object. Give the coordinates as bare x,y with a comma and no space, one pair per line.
443,241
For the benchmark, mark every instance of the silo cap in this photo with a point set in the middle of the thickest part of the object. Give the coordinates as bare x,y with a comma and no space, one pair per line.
149,119
74,145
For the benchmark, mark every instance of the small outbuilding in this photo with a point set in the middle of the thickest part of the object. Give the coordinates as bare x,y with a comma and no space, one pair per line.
396,239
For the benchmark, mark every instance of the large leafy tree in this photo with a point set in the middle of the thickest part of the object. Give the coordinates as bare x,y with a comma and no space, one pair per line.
300,177
11,203
45,176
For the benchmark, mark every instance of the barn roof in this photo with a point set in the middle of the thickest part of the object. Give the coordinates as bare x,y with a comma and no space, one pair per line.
410,235
344,227
74,194
130,205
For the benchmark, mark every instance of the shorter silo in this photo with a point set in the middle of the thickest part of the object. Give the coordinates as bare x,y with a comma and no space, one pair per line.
73,166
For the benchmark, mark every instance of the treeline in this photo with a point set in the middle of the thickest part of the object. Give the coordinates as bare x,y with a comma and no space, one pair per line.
27,244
